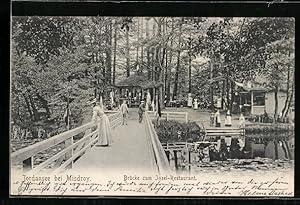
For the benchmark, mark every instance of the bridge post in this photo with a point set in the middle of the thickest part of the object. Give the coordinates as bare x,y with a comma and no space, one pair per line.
276,148
176,159
28,164
168,155
189,160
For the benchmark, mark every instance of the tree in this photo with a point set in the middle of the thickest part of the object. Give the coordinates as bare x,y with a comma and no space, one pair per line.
239,46
169,68
178,59
278,71
43,69
108,51
126,26
40,37
114,53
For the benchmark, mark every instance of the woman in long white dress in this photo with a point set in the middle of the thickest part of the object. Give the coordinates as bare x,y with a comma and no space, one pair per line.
105,138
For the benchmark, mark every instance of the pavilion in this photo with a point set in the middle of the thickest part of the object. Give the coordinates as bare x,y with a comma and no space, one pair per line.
135,87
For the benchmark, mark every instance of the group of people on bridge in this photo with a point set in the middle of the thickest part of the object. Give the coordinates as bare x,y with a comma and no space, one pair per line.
99,115
125,112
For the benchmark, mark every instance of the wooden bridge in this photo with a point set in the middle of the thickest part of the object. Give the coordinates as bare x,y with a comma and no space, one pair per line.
134,147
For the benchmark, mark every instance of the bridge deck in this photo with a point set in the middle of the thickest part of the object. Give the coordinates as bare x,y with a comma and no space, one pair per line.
129,151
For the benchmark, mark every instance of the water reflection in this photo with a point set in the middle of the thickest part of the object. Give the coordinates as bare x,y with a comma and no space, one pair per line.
261,152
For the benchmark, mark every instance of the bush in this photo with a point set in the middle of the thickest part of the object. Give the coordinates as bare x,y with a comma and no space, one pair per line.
173,131
263,133
268,128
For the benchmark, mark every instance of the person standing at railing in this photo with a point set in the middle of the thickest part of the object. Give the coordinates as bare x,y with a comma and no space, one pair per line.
141,111
105,137
228,119
157,110
242,121
218,119
124,111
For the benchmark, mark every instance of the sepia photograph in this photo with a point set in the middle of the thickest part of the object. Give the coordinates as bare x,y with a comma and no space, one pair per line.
152,106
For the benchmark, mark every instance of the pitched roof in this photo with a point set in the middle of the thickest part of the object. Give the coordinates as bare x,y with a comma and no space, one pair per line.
259,84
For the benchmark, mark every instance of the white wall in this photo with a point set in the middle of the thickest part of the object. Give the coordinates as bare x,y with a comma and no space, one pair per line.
258,110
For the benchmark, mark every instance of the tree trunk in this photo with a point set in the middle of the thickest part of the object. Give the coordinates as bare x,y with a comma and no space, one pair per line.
287,95
190,74
155,53
284,115
156,64
232,95
148,50
178,60
165,78
276,103
115,55
28,107
138,39
211,90
291,99
148,64
176,76
161,98
276,94
127,53
142,47
108,52
158,48
169,68
34,110
163,66
190,64
168,76
152,65
166,60
227,91
223,94
153,28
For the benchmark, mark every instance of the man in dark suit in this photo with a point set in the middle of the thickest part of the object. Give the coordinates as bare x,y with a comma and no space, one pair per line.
141,111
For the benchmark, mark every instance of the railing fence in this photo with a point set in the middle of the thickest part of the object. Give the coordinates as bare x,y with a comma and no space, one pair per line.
72,143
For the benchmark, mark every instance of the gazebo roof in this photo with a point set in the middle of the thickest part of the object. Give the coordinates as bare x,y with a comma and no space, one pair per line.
255,88
138,80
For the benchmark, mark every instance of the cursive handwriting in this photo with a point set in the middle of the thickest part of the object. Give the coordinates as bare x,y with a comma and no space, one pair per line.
151,185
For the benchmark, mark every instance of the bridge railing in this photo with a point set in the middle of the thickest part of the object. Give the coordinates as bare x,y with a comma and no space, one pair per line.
160,159
233,132
73,144
176,116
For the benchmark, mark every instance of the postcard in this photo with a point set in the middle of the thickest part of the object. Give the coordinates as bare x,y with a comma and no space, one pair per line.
152,106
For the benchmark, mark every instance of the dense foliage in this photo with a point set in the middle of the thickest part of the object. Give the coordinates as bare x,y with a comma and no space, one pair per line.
75,59
267,129
173,131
